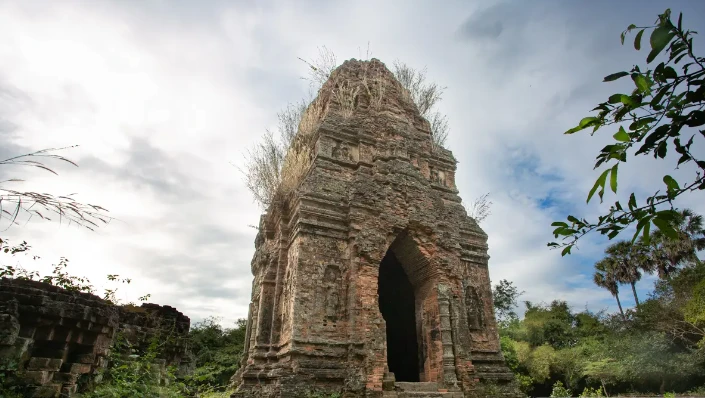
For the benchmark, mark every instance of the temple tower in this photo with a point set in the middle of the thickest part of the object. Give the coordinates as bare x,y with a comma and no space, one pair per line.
368,273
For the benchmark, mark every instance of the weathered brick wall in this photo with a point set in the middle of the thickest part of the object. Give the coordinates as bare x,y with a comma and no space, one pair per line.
140,325
376,186
53,337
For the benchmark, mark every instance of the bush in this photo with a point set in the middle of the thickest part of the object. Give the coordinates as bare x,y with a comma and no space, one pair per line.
131,373
560,391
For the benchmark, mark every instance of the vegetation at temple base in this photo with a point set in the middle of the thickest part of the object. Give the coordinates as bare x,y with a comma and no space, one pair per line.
656,347
664,111
136,371
133,372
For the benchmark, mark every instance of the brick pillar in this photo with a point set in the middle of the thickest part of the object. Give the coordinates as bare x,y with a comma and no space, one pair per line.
450,379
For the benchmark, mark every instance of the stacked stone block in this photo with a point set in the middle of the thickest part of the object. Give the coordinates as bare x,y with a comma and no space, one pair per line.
54,336
54,341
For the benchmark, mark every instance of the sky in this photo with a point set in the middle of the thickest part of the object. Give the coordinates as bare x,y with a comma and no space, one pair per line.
163,97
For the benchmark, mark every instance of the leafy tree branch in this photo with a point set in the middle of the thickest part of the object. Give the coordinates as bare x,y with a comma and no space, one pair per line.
663,111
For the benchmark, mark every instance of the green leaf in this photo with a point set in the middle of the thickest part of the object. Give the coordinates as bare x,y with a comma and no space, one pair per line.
660,132
696,118
660,38
666,227
659,96
639,227
668,215
584,123
641,83
639,123
669,73
599,183
615,76
637,40
613,178
671,183
615,98
587,121
621,135
632,202
643,224
564,231
628,100
566,250
559,224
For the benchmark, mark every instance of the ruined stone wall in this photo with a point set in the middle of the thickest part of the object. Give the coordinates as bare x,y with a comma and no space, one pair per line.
376,185
57,340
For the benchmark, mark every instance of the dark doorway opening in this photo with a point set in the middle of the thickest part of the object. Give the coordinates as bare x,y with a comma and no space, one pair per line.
397,305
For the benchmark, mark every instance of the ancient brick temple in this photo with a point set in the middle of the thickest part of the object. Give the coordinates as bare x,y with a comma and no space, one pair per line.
370,279
55,342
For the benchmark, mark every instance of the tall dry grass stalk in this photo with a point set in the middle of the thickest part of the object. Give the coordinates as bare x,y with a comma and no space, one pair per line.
375,86
439,129
43,205
425,96
346,96
276,165
320,68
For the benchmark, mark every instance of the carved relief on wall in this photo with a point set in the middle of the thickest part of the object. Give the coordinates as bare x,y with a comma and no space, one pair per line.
474,307
329,298
437,176
342,151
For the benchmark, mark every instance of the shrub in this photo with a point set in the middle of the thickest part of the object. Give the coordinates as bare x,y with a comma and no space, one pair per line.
560,391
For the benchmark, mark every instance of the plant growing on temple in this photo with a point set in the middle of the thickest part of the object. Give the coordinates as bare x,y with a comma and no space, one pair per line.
663,112
135,373
14,202
425,95
480,208
274,166
59,276
217,351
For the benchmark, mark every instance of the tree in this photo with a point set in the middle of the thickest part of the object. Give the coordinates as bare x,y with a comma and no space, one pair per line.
549,324
606,277
505,296
628,261
663,111
14,202
669,254
217,351
673,307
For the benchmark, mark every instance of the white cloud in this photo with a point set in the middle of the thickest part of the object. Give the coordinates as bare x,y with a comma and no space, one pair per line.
161,96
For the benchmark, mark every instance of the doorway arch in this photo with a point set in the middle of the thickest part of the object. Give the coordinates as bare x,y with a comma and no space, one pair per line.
405,280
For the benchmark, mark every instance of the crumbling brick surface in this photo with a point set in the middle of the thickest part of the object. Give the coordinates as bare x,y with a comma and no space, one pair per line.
55,338
376,185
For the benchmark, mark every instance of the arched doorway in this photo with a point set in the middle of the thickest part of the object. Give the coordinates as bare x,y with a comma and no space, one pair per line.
398,307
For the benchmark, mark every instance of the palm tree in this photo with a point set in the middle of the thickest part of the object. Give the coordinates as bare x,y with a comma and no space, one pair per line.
668,254
605,277
629,260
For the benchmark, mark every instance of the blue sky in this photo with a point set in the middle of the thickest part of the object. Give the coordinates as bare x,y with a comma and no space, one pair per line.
162,95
